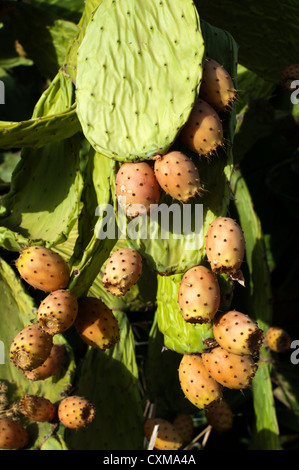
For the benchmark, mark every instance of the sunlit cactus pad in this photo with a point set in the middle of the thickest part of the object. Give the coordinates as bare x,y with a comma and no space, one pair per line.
139,72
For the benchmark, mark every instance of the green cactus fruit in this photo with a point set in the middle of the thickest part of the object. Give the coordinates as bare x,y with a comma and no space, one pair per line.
52,365
220,416
288,75
43,268
277,339
203,132
76,412
37,408
177,175
57,312
136,188
217,87
197,384
199,295
139,68
237,333
96,324
225,247
30,347
230,370
185,426
123,269
12,434
167,438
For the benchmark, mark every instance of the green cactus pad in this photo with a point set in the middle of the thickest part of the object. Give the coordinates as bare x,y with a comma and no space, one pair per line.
138,74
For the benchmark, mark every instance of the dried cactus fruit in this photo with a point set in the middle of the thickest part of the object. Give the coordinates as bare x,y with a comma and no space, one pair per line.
57,312
199,295
122,271
237,333
37,408
197,384
168,437
76,412
43,268
217,87
277,339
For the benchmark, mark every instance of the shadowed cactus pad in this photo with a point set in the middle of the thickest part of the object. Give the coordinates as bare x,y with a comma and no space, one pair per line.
139,71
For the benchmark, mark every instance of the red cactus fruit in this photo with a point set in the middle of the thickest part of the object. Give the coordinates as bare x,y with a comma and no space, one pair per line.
30,348
122,271
197,384
57,312
37,408
217,86
199,295
52,365
43,268
12,434
96,324
203,132
168,437
136,188
237,333
177,175
76,412
230,370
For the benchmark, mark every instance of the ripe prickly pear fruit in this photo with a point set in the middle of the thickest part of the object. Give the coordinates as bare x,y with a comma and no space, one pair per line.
177,175
277,339
185,427
96,324
30,348
203,132
199,295
122,271
76,412
12,434
225,247
237,333
43,268
288,76
52,365
37,408
57,312
220,416
136,188
217,87
168,437
197,384
230,370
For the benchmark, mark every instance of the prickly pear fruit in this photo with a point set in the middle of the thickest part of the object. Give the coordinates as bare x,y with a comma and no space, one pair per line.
185,427
230,370
168,437
277,339
30,348
76,412
37,408
203,132
12,434
197,384
177,175
220,416
289,75
237,333
136,188
57,312
217,87
51,366
122,271
96,324
199,295
225,246
43,268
